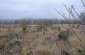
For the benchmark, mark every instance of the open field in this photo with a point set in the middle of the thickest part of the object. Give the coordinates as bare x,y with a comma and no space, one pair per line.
37,42
42,27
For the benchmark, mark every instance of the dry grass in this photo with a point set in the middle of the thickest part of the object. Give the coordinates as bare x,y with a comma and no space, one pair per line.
35,43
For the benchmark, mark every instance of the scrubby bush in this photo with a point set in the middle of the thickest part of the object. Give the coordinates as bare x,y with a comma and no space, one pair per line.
73,25
47,38
59,28
43,52
78,26
23,24
64,53
39,28
3,26
81,52
63,35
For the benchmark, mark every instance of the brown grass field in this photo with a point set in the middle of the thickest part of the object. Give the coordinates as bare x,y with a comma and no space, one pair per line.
34,42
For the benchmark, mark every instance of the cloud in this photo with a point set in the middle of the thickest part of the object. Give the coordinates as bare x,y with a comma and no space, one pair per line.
35,8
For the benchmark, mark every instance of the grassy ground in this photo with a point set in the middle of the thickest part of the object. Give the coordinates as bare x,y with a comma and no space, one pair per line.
34,42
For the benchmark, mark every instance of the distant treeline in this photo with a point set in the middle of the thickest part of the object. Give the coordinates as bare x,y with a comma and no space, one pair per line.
38,21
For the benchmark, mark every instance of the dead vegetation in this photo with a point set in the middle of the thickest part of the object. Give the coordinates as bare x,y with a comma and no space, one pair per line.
35,42
44,37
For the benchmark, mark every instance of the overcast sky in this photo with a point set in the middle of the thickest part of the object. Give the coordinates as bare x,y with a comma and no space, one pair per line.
15,9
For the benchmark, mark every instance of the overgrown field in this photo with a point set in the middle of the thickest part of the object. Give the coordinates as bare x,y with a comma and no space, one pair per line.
53,40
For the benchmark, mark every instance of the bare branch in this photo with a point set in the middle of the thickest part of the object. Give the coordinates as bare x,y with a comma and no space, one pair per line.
83,2
72,14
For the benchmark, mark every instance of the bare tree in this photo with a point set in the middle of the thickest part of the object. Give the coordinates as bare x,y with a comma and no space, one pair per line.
77,18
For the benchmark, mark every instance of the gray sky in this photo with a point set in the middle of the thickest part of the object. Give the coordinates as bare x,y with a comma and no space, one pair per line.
14,9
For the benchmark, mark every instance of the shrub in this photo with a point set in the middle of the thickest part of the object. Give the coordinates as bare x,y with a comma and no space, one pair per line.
43,52
47,38
63,35
59,29
39,28
23,24
64,53
81,52
73,26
